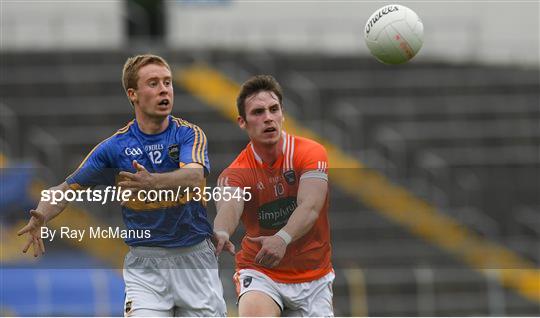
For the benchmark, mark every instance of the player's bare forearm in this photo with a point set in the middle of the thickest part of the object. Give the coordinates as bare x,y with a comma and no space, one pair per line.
301,221
190,176
50,210
226,222
228,215
311,198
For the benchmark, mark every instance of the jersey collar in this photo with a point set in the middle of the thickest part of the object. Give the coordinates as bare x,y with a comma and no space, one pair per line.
138,129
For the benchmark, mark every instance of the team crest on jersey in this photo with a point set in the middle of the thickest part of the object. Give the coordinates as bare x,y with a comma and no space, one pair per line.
290,177
128,306
247,281
174,152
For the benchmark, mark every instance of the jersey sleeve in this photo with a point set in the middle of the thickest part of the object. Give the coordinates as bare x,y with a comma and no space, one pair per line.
194,148
313,162
233,176
95,169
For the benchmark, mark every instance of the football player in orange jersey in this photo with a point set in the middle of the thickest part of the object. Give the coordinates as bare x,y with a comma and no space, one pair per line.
283,267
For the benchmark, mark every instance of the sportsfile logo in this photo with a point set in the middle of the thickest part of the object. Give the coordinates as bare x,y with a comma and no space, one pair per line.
117,194
379,15
133,151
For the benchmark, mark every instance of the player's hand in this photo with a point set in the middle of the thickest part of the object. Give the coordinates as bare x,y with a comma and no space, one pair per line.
140,180
221,241
272,250
33,230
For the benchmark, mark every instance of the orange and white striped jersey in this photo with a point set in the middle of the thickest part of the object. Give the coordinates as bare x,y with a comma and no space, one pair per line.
274,191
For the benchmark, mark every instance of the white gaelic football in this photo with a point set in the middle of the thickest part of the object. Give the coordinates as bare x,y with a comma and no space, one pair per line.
394,34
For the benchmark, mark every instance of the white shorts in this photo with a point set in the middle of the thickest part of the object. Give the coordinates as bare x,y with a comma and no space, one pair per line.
294,299
166,282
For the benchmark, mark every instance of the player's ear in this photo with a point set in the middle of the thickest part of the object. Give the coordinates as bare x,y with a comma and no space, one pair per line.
241,122
132,95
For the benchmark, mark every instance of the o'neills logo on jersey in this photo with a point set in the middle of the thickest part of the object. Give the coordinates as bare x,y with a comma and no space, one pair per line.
379,15
153,147
274,215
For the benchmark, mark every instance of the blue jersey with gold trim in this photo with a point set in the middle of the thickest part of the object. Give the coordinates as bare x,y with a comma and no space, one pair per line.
171,223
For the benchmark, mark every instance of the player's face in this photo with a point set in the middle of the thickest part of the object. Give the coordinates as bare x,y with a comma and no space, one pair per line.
154,94
264,118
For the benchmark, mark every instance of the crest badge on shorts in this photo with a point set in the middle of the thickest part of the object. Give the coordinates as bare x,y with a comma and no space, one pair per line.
290,176
174,152
247,281
128,306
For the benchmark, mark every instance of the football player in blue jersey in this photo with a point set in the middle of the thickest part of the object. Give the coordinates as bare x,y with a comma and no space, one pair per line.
174,271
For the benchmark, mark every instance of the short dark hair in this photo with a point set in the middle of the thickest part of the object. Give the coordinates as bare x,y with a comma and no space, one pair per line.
254,85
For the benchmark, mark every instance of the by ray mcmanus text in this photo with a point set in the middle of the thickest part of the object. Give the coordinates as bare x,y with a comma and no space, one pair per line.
93,232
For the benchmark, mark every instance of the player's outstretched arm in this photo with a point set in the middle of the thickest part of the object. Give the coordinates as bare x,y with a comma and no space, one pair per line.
189,176
44,212
226,221
310,199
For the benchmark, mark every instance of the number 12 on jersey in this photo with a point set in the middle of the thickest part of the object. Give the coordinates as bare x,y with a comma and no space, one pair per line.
155,156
